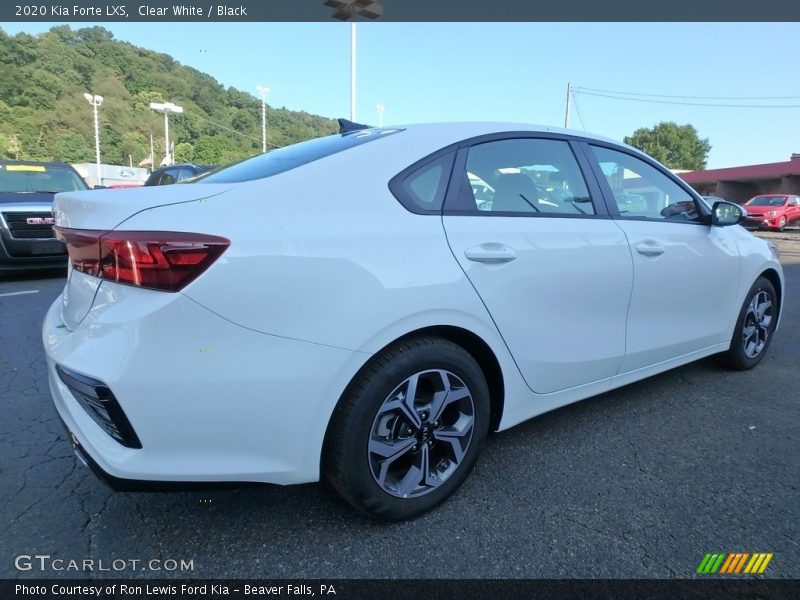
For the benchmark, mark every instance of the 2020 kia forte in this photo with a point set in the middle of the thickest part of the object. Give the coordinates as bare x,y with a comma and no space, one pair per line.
346,307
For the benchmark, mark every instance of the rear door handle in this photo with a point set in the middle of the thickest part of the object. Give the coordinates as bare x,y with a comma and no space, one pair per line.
490,252
650,248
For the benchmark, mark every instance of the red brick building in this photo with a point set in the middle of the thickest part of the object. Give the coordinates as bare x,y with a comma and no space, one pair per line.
739,184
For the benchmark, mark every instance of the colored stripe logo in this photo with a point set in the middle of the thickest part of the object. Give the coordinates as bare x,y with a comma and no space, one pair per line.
734,563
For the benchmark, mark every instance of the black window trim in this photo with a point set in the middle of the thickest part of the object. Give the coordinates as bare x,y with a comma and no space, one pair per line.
396,183
608,195
454,200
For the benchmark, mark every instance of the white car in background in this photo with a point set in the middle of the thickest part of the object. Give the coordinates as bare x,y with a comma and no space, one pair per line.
264,325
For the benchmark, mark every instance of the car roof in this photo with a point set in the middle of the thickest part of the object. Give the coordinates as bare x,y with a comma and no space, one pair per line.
465,130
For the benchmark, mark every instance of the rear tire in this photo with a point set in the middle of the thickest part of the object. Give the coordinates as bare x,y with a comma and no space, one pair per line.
754,327
409,429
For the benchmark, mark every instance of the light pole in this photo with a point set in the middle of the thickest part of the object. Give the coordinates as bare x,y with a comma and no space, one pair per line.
353,71
166,108
381,108
96,101
264,91
346,10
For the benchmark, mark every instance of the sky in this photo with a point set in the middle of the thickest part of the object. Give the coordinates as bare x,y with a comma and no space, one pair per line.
513,72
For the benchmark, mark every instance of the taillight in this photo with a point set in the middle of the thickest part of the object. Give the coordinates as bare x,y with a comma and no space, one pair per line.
158,260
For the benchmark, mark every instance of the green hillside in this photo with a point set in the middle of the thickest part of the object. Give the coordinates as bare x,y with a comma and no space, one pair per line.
44,116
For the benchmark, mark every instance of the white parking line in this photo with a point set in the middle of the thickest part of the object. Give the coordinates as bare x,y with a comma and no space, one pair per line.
19,293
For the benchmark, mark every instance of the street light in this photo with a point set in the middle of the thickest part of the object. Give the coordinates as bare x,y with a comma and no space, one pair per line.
166,108
347,10
96,101
381,108
264,91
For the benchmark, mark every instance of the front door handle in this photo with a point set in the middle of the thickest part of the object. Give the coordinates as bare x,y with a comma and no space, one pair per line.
650,248
490,252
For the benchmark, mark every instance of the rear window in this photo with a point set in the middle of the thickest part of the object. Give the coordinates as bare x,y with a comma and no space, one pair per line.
291,157
39,178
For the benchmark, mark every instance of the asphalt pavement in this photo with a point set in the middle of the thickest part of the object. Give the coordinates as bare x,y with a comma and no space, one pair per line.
640,482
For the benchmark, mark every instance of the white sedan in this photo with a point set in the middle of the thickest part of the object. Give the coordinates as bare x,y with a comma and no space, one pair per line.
344,308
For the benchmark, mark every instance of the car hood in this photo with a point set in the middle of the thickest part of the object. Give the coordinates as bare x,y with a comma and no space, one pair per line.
760,210
25,198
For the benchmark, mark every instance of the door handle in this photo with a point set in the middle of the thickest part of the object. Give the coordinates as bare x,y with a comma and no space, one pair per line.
650,248
490,252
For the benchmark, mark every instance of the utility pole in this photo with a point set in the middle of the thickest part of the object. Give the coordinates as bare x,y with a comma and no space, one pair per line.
96,101
353,71
264,91
569,99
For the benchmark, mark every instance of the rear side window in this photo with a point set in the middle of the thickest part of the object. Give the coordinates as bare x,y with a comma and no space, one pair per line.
421,188
291,157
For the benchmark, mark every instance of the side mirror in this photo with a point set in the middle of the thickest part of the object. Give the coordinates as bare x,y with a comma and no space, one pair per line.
727,213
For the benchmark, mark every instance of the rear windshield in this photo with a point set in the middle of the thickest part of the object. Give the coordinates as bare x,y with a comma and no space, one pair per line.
39,178
767,201
291,157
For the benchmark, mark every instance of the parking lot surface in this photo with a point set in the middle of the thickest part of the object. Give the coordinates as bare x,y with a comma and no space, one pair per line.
638,482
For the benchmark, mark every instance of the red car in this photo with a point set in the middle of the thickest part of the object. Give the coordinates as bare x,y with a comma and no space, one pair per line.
772,211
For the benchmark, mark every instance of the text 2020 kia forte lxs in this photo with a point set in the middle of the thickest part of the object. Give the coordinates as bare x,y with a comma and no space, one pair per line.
347,307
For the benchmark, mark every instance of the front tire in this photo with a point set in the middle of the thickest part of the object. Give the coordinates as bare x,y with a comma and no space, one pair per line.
409,429
754,327
782,224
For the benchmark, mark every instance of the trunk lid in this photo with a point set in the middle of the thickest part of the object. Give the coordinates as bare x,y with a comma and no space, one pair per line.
106,209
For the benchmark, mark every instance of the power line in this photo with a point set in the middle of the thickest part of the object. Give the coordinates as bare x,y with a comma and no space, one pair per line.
716,105
578,109
689,97
249,137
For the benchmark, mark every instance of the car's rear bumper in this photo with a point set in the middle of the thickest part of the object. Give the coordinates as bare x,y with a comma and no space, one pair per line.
210,401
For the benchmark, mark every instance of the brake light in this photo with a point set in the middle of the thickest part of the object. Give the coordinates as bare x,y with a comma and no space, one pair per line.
158,260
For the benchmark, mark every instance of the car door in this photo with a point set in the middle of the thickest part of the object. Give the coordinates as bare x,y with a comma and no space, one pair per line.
551,267
686,273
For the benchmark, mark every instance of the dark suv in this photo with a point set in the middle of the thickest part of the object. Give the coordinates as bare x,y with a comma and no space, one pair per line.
27,188
175,173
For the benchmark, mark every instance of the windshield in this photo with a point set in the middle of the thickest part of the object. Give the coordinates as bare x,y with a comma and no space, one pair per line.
39,178
290,157
767,201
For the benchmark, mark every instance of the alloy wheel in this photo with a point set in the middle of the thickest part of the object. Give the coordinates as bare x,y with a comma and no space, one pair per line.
757,322
421,433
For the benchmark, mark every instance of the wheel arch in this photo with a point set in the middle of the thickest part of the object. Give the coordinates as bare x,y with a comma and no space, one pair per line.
775,279
469,341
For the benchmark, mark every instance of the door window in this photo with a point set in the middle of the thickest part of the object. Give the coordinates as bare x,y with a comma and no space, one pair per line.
524,176
168,177
641,191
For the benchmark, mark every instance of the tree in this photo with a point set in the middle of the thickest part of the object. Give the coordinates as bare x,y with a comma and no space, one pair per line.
676,146
72,148
43,114
184,152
